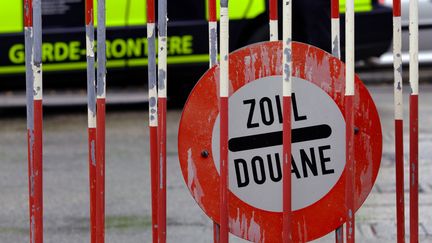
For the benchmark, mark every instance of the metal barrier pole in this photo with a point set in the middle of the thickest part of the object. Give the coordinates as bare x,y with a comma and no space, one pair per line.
413,74
153,116
212,32
224,121
213,50
91,113
349,118
398,106
162,103
273,20
33,46
335,28
286,116
100,123
335,47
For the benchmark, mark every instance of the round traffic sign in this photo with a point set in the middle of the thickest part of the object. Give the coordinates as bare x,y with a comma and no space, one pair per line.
255,143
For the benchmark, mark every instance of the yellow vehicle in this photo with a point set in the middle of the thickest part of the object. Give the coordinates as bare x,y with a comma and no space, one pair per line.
64,34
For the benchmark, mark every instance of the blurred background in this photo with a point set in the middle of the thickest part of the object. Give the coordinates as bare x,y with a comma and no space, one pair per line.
128,179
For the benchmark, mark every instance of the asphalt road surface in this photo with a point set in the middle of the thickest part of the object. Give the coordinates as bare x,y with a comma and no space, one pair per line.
66,192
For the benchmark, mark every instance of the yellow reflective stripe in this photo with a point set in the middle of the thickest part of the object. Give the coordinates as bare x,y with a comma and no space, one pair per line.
241,10
136,62
11,14
116,13
359,6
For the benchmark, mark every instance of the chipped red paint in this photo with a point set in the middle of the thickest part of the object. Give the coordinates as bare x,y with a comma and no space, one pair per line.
200,114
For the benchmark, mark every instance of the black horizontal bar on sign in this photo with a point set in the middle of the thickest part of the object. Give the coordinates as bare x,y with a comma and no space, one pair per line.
275,138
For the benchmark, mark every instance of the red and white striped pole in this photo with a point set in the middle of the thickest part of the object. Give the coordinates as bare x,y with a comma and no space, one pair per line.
162,103
335,47
213,50
286,105
212,32
91,113
224,121
273,20
33,52
153,116
398,109
349,119
335,28
100,123
414,76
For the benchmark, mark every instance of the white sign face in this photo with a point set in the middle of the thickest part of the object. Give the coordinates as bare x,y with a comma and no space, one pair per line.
255,143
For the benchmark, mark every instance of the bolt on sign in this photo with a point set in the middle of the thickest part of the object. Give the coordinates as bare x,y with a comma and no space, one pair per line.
255,143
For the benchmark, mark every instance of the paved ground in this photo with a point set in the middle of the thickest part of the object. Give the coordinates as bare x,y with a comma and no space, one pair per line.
127,177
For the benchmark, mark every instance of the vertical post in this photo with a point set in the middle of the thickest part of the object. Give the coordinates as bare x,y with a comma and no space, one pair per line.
100,123
212,32
349,118
273,20
398,109
91,113
335,28
162,103
33,46
413,75
153,116
212,25
224,120
286,148
335,44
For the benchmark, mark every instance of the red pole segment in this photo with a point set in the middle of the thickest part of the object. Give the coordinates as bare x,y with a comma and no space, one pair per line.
400,201
286,131
212,32
398,106
349,119
91,114
413,75
335,45
162,109
224,121
273,20
224,207
33,46
153,117
100,125
335,28
212,25
413,168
